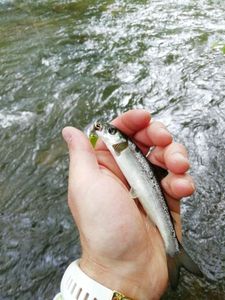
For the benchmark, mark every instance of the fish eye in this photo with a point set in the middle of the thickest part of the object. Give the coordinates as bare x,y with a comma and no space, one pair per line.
112,130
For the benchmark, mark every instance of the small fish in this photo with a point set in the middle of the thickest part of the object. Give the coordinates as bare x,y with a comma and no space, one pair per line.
140,175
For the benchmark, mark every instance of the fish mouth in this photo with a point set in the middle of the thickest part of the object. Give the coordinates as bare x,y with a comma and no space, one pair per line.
98,126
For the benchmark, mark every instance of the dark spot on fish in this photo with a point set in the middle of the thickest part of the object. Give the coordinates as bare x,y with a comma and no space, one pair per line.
137,149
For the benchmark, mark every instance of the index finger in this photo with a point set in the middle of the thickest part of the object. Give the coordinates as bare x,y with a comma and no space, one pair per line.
155,134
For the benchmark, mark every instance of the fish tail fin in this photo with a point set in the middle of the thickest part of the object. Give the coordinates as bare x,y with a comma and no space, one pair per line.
182,259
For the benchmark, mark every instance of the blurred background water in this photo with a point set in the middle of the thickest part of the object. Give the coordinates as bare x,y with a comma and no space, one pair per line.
70,62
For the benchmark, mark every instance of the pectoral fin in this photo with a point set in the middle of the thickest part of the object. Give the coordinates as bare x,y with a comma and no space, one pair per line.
120,147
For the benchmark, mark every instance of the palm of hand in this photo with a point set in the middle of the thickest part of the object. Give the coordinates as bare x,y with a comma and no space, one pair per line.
117,232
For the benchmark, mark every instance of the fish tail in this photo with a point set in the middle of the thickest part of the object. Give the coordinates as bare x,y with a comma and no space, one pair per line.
182,259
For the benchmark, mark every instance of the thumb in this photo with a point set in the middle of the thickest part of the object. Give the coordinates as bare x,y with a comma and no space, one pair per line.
83,162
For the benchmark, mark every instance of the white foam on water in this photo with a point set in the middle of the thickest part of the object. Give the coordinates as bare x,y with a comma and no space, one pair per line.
6,1
21,118
53,63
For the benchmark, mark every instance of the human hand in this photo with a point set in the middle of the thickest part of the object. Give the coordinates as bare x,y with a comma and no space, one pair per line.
120,247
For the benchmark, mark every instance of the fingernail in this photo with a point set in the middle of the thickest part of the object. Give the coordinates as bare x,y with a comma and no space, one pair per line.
66,135
181,158
183,182
193,186
164,131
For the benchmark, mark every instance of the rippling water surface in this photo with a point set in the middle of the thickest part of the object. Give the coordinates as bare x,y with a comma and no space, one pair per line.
69,62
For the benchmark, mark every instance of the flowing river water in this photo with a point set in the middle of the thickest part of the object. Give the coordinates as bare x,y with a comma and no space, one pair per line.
70,62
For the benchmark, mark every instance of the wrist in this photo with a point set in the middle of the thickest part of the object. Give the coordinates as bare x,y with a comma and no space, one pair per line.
125,277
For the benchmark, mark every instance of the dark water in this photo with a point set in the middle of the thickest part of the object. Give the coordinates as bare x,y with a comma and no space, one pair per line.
69,62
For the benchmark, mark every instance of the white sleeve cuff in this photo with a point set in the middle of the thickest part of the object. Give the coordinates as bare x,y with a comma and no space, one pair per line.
77,285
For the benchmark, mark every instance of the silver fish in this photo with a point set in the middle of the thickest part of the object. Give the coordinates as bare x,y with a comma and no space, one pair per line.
140,175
